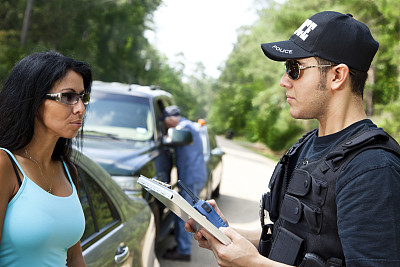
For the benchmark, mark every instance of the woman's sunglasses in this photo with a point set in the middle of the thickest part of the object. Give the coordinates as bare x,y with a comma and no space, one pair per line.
69,98
293,68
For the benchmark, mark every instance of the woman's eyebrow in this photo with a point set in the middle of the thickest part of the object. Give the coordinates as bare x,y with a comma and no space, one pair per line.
68,89
73,90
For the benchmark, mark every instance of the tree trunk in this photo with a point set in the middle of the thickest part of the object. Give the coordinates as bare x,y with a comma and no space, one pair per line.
25,25
368,92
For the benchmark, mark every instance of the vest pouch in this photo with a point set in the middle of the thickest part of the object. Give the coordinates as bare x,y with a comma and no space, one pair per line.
304,185
264,246
313,218
300,183
286,246
292,209
297,212
276,186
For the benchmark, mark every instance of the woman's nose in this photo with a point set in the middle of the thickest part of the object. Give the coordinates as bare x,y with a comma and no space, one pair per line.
79,107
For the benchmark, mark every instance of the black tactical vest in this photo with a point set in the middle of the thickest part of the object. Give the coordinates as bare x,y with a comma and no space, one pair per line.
303,206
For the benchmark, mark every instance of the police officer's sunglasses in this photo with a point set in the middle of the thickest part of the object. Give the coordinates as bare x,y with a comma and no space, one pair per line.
293,68
69,98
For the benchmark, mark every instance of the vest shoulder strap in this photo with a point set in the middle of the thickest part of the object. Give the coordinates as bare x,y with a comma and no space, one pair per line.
343,153
300,142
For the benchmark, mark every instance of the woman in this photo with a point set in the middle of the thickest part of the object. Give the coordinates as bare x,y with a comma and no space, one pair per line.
42,105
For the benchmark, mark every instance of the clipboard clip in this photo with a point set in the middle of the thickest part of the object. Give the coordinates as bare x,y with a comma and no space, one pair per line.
158,182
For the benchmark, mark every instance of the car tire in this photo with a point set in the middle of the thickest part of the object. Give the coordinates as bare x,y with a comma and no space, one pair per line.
209,189
215,194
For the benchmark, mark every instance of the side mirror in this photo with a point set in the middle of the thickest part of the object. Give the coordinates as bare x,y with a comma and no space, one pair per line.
177,137
217,152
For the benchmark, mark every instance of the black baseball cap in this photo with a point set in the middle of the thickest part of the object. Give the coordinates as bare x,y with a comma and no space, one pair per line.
331,36
171,111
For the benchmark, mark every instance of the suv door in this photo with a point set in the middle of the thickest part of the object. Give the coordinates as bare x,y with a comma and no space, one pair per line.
113,237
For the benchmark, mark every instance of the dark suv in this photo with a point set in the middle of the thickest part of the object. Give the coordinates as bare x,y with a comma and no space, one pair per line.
125,134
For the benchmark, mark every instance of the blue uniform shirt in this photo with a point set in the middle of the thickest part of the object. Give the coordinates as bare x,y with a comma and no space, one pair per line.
192,172
190,158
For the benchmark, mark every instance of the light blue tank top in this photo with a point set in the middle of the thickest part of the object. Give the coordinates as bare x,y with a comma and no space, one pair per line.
40,227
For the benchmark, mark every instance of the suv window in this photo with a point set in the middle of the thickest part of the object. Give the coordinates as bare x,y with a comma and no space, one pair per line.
122,116
97,207
213,141
160,104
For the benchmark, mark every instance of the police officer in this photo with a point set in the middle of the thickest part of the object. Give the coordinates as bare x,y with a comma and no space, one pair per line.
191,171
334,196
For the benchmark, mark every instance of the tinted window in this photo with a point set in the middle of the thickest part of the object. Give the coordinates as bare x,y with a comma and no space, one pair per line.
97,207
160,105
127,117
213,141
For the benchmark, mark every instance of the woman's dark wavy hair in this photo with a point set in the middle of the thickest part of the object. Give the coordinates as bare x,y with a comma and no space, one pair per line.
23,92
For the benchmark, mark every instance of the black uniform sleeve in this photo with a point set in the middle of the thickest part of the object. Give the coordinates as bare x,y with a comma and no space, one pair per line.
368,209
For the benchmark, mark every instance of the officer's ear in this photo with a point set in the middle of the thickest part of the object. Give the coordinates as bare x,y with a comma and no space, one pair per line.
339,76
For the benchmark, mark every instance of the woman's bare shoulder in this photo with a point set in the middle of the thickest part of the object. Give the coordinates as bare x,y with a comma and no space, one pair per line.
5,162
8,178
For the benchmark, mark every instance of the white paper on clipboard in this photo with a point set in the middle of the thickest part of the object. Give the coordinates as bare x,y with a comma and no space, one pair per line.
177,204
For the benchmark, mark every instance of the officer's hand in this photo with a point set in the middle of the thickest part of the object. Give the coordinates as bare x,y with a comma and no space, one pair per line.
190,225
239,253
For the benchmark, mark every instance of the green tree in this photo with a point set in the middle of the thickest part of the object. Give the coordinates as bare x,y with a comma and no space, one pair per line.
107,34
199,84
248,97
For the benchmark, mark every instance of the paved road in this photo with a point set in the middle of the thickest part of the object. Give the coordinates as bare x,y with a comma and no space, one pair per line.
246,176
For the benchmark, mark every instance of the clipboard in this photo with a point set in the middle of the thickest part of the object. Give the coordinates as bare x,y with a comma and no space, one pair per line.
178,205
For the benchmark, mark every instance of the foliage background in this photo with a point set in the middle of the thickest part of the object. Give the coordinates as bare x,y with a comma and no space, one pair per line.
249,99
246,98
